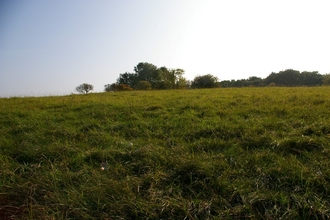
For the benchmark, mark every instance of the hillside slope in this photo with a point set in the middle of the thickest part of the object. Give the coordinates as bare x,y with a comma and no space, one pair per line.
249,153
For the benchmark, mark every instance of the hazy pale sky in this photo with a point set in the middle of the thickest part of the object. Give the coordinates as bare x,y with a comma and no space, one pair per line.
48,47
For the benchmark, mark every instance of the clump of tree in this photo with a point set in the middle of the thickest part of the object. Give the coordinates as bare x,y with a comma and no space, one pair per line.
109,87
116,87
326,80
122,87
287,77
292,77
84,88
144,85
252,81
205,81
147,76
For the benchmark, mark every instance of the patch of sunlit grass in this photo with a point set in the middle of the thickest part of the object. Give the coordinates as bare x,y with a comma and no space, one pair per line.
198,154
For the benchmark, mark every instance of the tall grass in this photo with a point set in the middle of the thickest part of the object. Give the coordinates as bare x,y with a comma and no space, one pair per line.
248,153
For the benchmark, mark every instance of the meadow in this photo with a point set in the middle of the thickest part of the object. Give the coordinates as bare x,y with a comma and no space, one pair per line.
235,153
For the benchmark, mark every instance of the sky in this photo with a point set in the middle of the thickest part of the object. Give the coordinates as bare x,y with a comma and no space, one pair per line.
49,47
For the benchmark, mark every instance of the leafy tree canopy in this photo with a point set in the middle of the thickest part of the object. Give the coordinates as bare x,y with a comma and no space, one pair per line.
144,85
109,87
158,78
148,76
326,80
292,77
205,81
84,88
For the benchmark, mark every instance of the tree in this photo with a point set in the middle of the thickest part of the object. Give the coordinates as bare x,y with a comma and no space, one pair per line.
254,81
287,77
238,83
158,78
182,83
292,77
146,72
205,81
129,79
178,80
144,85
271,79
122,87
326,80
162,79
311,78
109,87
84,88
225,83
165,78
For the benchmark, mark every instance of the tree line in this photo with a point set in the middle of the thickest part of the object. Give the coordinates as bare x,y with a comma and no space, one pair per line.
147,76
287,77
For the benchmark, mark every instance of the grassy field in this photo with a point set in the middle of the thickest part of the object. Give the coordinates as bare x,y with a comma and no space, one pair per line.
245,153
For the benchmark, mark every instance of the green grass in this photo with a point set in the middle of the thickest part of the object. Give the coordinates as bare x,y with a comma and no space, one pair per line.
247,153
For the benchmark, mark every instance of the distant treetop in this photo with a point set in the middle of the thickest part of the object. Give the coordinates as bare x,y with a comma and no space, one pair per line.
84,88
